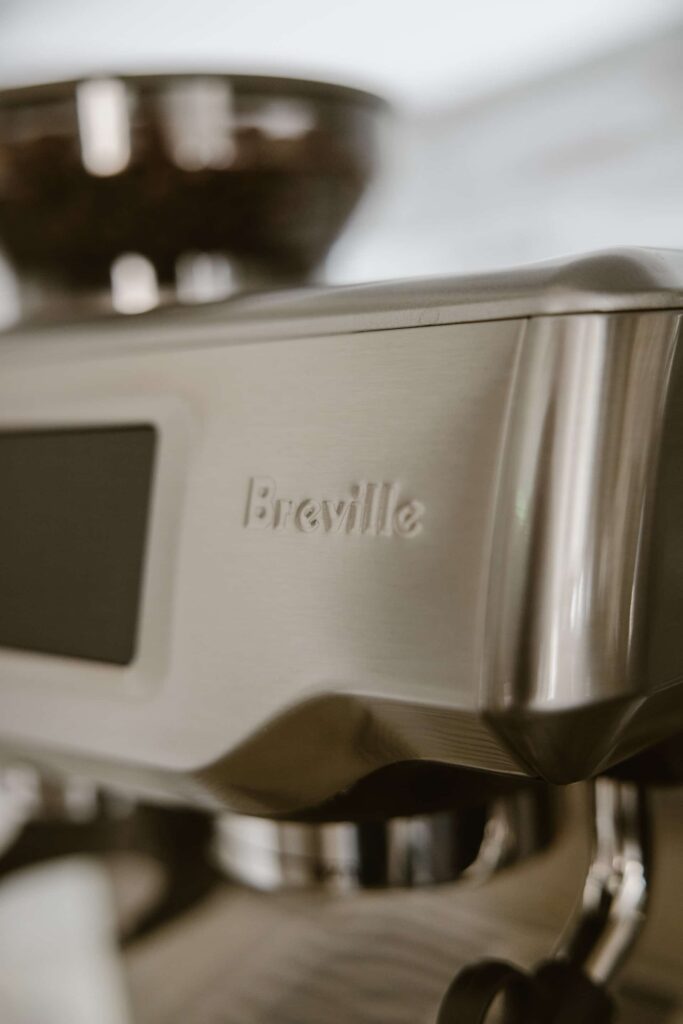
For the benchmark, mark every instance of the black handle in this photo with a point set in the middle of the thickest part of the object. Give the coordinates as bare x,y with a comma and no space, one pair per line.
474,990
557,993
563,994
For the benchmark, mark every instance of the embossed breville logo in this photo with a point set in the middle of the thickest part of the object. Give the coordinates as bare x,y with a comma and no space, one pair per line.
372,509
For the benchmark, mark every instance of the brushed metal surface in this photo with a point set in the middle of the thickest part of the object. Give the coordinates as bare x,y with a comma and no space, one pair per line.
265,651
374,541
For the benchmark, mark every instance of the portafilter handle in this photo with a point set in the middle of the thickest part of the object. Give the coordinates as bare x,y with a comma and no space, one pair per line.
573,985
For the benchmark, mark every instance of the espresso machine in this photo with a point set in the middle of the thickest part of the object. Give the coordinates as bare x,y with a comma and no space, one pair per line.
334,587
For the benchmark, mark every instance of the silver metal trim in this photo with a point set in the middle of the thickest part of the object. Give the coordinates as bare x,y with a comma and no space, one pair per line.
471,843
617,888
571,606
609,281
612,280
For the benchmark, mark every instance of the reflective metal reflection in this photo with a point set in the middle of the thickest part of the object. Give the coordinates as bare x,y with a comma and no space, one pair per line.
104,126
471,842
616,892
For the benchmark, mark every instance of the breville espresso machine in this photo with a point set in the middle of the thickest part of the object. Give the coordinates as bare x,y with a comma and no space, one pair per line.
351,581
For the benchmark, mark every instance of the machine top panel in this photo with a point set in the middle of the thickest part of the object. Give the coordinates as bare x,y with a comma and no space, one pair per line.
608,281
614,279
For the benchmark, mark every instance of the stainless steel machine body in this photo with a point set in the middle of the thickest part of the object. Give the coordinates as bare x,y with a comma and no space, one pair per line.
427,521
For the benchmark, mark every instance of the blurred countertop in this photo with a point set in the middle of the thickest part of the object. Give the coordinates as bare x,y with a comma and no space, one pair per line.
248,958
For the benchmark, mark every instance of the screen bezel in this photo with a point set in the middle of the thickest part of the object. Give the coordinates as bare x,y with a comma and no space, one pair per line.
38,671
80,497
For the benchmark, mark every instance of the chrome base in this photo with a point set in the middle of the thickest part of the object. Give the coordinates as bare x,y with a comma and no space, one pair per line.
473,843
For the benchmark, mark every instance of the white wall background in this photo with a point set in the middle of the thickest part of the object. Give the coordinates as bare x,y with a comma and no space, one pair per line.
426,53
583,158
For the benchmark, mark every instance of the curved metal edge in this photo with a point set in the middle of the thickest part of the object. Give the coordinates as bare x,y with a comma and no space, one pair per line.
347,736
156,82
608,282
611,280
566,617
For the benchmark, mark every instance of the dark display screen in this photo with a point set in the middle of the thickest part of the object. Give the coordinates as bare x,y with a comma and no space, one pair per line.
74,507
